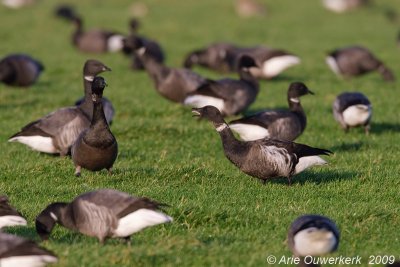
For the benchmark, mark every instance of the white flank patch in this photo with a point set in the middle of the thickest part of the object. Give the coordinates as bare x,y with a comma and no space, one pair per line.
199,101
357,115
24,261
89,78
249,132
314,242
276,65
338,6
11,220
115,43
307,162
138,220
278,156
15,3
37,142
221,127
333,65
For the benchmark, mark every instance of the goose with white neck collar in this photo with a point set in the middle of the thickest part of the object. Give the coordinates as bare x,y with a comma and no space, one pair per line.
264,158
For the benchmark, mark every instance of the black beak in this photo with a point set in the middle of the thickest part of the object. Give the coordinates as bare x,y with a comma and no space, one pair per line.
105,68
310,92
196,112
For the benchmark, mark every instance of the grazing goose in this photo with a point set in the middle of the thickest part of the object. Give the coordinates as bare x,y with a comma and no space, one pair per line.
230,96
102,214
264,158
270,62
277,124
312,235
152,47
341,6
355,61
93,40
57,131
352,109
9,216
96,148
19,70
172,83
212,57
16,251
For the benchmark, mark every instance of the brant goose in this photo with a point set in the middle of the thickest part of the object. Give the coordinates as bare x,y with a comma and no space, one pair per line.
229,96
96,148
16,251
152,47
312,235
264,158
277,124
102,214
57,131
212,57
9,216
19,70
341,6
172,83
94,40
352,109
355,61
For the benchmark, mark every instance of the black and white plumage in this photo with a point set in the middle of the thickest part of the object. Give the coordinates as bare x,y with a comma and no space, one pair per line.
341,6
263,158
172,83
352,109
229,96
9,216
93,40
277,124
57,131
355,61
313,235
102,214
19,70
96,148
16,251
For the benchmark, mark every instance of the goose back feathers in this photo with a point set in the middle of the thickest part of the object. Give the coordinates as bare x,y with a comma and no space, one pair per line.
9,216
57,131
264,158
102,214
19,70
277,124
95,148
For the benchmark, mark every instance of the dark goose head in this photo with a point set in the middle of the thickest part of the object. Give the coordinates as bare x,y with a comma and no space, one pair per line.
98,86
298,89
93,67
46,220
209,112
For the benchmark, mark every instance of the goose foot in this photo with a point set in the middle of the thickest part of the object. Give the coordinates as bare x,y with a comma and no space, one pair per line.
109,171
78,171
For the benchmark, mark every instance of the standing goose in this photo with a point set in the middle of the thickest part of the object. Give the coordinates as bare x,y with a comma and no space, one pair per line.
16,251
57,131
152,47
264,158
172,83
93,40
96,148
229,96
276,124
352,109
19,70
312,235
102,214
355,61
9,216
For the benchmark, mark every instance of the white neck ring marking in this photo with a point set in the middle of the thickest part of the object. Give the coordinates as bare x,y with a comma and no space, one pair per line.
52,215
89,78
294,100
221,127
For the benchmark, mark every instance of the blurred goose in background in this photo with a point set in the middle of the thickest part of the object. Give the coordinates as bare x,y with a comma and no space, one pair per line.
312,235
57,131
263,158
19,70
93,40
341,6
212,57
102,214
9,216
96,148
19,252
355,61
17,3
250,8
152,47
276,124
352,109
172,83
229,96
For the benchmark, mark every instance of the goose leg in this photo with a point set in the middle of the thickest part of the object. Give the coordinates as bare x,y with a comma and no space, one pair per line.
78,171
127,240
109,171
289,180
366,129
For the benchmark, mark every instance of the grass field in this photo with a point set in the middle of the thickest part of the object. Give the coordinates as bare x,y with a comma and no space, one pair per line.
222,216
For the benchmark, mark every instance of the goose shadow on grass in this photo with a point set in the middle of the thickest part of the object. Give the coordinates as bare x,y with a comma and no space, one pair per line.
347,147
384,127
